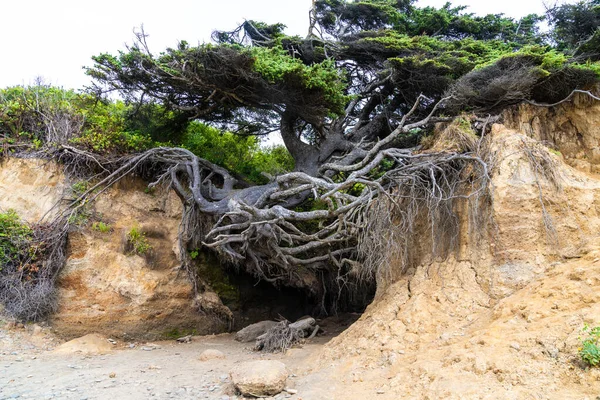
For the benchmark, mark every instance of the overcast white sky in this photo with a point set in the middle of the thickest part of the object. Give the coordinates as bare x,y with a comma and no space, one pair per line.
55,38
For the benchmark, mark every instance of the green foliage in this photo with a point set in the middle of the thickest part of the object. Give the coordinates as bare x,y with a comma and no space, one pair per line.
80,187
276,66
424,64
337,15
226,78
101,227
590,346
28,113
156,123
105,129
43,115
15,239
26,268
576,28
241,155
537,73
176,333
450,22
79,217
137,242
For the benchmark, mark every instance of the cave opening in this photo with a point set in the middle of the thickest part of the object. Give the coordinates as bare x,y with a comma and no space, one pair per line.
253,300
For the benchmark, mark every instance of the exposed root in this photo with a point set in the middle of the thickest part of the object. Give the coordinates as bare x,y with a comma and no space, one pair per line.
426,203
544,167
27,288
301,229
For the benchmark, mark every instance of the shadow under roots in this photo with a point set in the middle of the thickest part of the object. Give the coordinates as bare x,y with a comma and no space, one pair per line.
259,301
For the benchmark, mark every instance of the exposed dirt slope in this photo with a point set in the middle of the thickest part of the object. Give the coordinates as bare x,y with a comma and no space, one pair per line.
500,321
102,287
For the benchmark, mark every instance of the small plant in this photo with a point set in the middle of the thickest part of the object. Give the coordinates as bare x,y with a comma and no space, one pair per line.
80,187
555,152
176,333
137,243
15,239
79,217
101,227
590,346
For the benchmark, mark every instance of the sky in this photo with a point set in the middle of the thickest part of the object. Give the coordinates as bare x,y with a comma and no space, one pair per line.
55,39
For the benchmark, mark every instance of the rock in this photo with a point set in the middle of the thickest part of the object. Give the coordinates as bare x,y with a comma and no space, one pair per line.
251,332
36,330
185,339
150,347
515,346
480,365
88,344
259,378
211,354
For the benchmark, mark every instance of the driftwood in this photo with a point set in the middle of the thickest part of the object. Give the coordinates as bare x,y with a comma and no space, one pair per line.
252,332
282,336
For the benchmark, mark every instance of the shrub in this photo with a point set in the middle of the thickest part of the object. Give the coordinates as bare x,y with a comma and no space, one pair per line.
39,114
590,346
241,155
26,274
137,243
80,187
15,239
101,227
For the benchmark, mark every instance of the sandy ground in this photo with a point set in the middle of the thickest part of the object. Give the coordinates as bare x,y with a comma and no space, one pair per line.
33,366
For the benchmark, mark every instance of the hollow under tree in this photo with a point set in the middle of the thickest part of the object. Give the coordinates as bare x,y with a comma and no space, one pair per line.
351,101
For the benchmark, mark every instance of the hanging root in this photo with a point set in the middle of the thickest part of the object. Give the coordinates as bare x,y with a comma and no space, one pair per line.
27,285
422,208
545,168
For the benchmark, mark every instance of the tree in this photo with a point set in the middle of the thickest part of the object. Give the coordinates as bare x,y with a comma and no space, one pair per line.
351,101
575,28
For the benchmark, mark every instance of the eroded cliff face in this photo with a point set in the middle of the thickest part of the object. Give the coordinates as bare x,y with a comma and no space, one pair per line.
32,187
499,318
571,128
102,288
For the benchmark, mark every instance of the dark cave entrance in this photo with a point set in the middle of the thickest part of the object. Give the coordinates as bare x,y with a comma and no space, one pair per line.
252,300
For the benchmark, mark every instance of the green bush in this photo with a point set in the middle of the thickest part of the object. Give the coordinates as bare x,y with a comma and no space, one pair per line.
241,155
101,227
80,187
115,127
105,128
137,243
590,346
43,115
27,271
15,239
